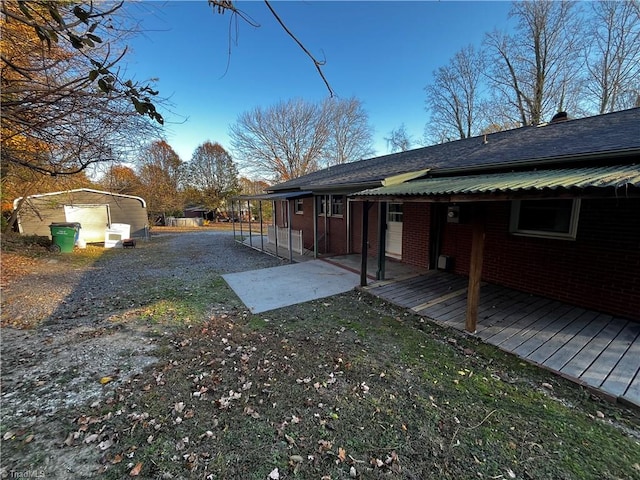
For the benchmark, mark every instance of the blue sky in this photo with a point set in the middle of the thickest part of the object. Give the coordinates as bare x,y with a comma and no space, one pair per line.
383,53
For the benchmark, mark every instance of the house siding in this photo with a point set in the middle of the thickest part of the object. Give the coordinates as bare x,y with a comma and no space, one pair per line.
599,270
332,230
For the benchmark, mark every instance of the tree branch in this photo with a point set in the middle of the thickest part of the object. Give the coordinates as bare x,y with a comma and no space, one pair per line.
318,64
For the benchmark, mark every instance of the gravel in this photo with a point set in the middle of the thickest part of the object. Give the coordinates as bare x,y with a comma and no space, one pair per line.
59,363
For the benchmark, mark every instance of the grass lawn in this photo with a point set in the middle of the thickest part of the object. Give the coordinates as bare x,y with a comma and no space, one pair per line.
352,387
339,388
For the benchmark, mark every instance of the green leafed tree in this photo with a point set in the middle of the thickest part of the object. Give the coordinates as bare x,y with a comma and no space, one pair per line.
213,173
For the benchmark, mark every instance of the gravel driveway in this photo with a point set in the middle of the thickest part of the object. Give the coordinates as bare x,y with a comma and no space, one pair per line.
83,334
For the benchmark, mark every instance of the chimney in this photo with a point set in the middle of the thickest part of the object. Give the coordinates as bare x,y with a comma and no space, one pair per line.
559,117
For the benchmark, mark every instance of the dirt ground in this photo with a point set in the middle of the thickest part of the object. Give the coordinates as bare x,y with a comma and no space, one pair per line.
65,338
143,363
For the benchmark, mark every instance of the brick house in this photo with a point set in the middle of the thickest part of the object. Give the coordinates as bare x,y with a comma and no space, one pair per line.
552,210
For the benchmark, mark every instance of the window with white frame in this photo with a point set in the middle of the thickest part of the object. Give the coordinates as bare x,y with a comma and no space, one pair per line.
299,210
552,218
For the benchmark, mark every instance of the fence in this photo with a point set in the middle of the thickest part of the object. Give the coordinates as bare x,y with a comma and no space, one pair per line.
283,238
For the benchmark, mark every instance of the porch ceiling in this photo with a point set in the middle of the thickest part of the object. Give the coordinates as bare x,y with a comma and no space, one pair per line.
588,177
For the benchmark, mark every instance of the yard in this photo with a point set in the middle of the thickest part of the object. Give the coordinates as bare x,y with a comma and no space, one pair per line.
143,362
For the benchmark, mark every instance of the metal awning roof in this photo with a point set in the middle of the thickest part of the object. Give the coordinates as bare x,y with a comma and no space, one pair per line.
275,196
536,180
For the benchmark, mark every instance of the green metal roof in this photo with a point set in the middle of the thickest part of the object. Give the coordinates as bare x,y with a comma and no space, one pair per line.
536,180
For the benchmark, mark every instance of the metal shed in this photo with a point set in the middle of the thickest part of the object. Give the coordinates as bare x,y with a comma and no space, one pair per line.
95,210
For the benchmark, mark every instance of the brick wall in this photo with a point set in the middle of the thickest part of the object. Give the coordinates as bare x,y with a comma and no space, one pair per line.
415,233
599,270
336,229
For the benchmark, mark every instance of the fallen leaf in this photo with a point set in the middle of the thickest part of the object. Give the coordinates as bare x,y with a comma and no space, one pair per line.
352,472
91,438
342,454
135,471
105,380
274,475
105,444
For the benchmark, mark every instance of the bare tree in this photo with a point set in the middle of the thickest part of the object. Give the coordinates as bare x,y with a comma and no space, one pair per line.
350,134
613,55
281,142
296,137
399,140
454,98
534,71
213,173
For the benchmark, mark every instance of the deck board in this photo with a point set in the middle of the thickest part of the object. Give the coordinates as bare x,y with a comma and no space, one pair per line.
594,348
621,376
538,325
625,352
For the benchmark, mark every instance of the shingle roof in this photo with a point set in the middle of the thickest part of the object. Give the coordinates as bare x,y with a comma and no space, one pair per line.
595,137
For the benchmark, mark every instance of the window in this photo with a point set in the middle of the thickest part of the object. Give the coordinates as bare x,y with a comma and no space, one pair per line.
394,212
331,205
337,205
555,218
322,205
298,206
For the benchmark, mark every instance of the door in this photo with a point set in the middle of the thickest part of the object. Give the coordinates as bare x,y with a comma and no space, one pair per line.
394,230
93,220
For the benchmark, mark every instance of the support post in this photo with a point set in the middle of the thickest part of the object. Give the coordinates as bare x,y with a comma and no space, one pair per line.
261,226
382,239
475,269
275,224
288,204
250,233
365,242
233,224
315,226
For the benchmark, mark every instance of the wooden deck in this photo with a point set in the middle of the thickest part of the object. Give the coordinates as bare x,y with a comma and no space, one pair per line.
594,349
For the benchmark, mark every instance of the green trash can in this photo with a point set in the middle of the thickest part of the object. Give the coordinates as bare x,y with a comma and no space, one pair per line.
64,236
